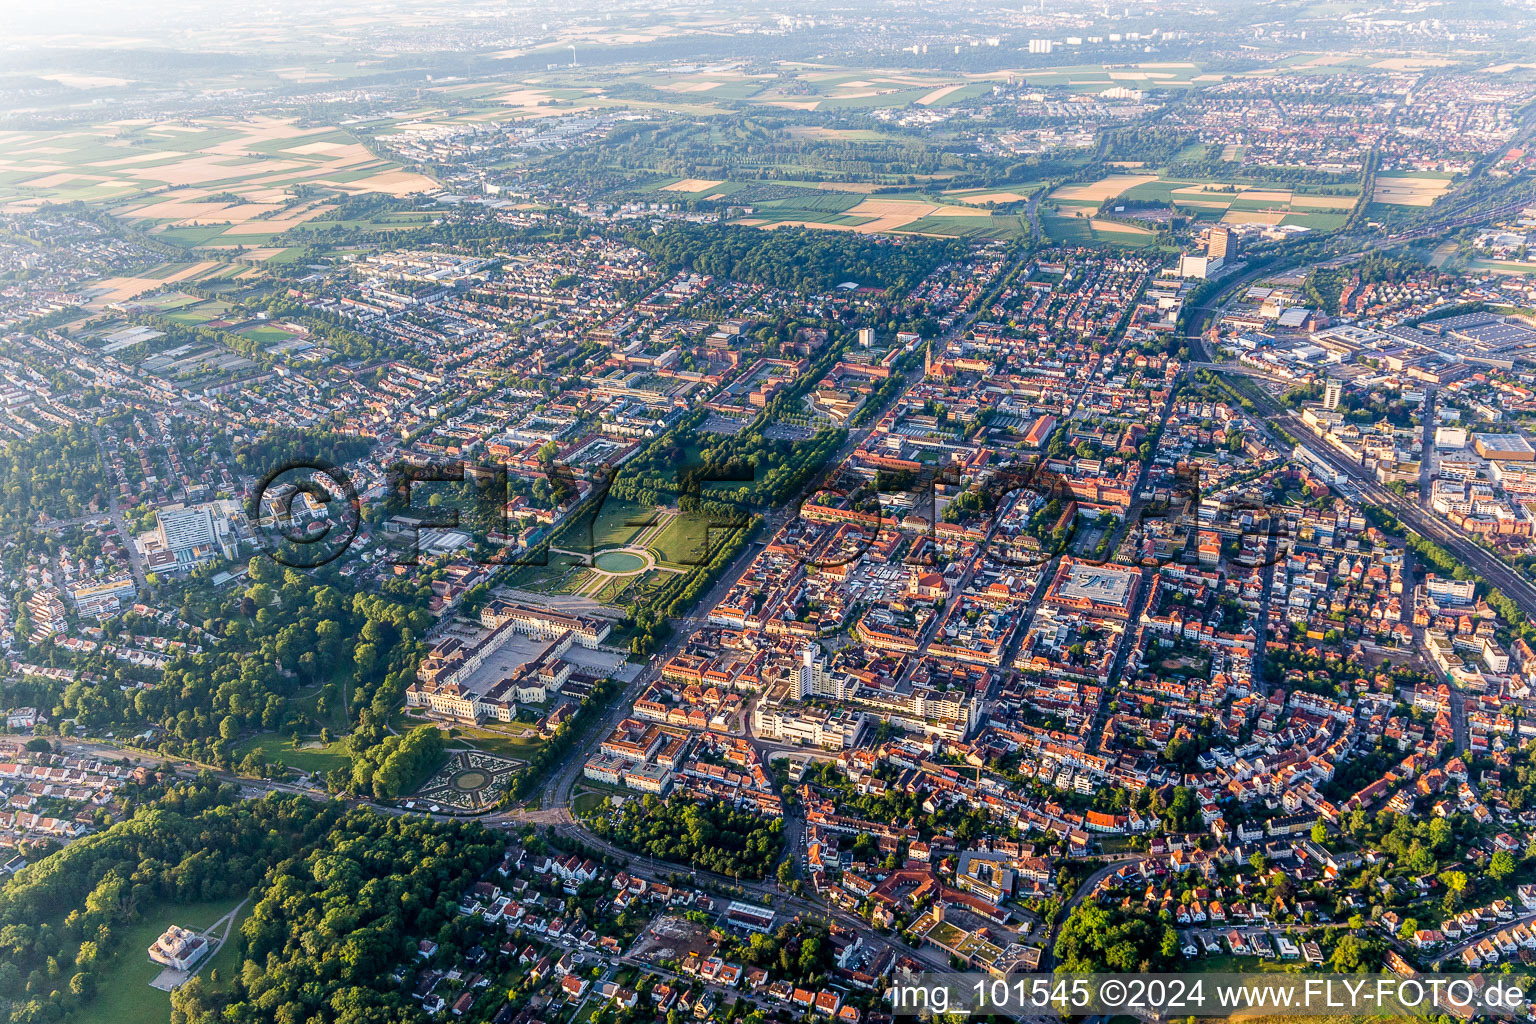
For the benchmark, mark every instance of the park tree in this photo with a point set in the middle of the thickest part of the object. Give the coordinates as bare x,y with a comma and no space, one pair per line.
1501,865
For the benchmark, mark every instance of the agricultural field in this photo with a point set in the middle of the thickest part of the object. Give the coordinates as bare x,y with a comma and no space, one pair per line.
871,216
1320,208
1096,193
813,87
818,87
1097,77
1071,210
201,272
1016,193
1410,189
856,206
1084,229
216,183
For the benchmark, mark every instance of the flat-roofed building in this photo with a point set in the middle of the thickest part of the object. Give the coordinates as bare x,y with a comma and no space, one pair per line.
1448,592
750,916
648,778
1221,244
602,768
1333,390
189,535
1507,447
1450,437
830,728
1107,590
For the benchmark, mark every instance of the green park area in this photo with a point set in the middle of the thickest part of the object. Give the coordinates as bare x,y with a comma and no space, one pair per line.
687,541
124,995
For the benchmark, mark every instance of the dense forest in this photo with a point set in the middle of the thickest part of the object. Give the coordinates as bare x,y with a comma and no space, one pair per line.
747,468
800,951
289,446
330,927
65,914
796,259
57,473
394,765
1099,938
760,143
283,632
708,836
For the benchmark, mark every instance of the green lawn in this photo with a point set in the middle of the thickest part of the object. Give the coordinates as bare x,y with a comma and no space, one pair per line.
173,300
1318,221
279,746
226,962
625,589
569,582
273,334
587,802
564,574
1503,266
1228,964
123,995
189,317
683,542
618,523
307,759
517,740
335,714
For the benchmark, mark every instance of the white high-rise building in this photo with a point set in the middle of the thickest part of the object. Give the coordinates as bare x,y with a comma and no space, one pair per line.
1194,265
816,681
1333,390
187,533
